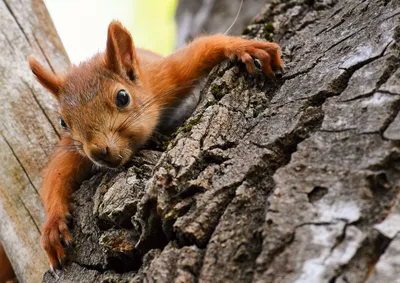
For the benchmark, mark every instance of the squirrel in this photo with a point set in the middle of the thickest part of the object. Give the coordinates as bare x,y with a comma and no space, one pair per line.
112,103
7,274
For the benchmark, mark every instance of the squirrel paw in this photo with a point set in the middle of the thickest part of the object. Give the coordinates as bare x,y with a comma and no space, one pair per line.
54,234
268,53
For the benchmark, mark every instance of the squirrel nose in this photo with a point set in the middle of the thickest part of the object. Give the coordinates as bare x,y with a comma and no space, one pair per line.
104,153
100,152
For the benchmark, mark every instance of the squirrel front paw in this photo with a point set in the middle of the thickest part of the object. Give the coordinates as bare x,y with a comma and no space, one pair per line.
54,233
267,52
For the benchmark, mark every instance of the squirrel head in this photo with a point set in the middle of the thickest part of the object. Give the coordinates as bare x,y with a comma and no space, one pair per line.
105,104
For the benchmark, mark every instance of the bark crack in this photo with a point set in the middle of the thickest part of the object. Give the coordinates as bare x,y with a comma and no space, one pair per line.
20,163
8,41
16,21
29,213
44,54
42,109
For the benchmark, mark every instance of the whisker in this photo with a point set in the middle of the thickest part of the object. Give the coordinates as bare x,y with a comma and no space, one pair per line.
70,149
145,116
127,118
152,100
116,116
134,122
236,18
72,139
67,146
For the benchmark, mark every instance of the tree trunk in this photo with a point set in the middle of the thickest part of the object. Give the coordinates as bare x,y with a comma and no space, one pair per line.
27,130
289,180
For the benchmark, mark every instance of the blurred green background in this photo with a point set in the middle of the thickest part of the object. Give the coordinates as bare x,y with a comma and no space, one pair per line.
82,25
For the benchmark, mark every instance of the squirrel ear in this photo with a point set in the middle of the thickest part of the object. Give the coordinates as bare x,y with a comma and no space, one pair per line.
47,79
120,53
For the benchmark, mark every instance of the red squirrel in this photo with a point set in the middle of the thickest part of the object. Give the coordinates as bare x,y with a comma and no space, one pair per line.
7,274
112,103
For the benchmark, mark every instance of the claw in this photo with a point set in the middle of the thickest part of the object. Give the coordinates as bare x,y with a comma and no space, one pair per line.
68,244
257,63
53,272
60,264
272,76
55,239
65,242
278,74
69,221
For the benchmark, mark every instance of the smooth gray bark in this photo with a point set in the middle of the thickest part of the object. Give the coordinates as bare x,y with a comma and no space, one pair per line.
27,130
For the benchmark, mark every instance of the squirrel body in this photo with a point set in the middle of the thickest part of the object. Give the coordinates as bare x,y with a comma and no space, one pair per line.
112,103
7,274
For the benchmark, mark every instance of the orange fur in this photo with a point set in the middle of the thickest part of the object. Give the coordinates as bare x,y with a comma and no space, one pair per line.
64,172
197,58
6,271
100,132
46,78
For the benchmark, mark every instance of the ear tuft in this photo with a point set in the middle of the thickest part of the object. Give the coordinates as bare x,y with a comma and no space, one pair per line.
120,53
47,79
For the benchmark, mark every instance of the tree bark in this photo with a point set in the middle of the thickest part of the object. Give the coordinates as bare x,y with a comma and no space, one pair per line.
27,130
288,180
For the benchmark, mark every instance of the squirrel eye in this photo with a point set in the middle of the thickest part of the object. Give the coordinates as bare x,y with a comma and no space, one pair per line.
63,124
122,99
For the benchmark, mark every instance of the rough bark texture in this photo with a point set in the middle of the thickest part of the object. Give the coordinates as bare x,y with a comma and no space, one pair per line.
27,132
294,180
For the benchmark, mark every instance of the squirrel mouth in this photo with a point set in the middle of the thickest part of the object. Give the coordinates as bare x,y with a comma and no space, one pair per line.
108,164
108,161
107,155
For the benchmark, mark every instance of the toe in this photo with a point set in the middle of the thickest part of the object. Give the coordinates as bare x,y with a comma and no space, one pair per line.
265,60
51,253
57,247
248,61
69,221
278,74
66,236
